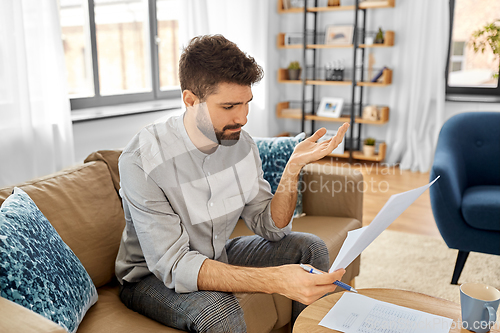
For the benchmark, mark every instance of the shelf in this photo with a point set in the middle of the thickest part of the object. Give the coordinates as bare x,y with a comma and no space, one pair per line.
379,157
328,46
385,80
296,114
280,43
362,5
282,10
384,117
344,155
388,42
329,83
358,155
330,9
283,77
377,4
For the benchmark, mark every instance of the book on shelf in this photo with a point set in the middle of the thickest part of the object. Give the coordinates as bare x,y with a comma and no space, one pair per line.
378,75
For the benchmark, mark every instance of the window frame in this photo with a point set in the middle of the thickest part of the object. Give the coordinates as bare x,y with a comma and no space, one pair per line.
465,91
155,94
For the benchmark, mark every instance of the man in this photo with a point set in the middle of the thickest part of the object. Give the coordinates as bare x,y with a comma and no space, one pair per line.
186,182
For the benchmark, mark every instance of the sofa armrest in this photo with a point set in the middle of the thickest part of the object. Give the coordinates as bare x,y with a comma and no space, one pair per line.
332,191
15,318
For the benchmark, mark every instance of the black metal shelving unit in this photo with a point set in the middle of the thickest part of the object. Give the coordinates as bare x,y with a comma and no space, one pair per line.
353,141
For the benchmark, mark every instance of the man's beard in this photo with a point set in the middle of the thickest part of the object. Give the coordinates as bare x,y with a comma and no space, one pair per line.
207,128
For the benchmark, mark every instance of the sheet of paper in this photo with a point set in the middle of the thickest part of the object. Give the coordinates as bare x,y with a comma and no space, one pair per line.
359,239
359,313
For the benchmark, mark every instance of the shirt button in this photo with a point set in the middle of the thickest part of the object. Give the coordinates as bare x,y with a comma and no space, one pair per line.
211,204
208,173
215,236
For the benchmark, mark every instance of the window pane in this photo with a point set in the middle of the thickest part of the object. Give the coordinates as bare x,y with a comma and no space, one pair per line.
122,31
458,48
456,66
77,50
477,69
168,43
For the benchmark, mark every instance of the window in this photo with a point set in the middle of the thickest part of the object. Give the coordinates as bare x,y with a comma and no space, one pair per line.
470,72
457,56
120,51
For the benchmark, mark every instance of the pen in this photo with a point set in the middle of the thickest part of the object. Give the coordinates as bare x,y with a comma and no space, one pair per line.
337,283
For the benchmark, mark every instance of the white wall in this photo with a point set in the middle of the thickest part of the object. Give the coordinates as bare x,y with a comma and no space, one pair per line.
453,108
111,133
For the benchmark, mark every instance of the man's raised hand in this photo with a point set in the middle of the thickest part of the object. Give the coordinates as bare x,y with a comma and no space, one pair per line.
310,150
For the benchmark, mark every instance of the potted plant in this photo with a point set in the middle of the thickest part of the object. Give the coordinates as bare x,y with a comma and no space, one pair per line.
294,70
487,35
369,147
379,38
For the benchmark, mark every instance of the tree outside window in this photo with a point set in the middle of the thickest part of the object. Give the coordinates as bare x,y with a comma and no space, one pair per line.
470,72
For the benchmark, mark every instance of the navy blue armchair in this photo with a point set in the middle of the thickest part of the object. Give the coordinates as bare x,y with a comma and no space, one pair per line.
466,199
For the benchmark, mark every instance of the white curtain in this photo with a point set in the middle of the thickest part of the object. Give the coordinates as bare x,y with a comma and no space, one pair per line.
422,29
244,22
36,135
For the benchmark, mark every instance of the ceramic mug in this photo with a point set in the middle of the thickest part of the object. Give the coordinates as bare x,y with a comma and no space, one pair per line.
479,304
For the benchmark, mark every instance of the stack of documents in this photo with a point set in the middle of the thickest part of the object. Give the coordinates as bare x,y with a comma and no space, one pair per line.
358,313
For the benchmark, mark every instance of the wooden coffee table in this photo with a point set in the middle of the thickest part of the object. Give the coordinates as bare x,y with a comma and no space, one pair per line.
308,320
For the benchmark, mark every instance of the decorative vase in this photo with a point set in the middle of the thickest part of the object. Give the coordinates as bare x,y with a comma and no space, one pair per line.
294,74
368,150
370,112
369,40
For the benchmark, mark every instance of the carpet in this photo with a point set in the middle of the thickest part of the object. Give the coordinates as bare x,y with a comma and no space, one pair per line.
423,264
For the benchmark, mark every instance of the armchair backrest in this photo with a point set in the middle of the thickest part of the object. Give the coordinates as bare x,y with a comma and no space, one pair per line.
474,139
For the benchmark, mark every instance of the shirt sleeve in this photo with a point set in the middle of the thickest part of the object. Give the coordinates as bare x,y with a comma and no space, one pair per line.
257,212
163,239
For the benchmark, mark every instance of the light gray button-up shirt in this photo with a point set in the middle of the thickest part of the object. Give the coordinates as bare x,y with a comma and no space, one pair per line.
182,205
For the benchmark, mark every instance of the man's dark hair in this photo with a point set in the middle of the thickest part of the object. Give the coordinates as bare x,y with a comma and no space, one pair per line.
212,59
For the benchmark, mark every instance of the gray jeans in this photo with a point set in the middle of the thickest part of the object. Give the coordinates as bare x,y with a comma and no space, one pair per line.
213,311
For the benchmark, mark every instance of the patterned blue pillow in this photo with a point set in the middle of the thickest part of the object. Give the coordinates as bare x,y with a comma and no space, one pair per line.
37,269
275,153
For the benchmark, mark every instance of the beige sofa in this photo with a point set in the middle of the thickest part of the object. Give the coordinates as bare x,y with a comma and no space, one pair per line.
83,205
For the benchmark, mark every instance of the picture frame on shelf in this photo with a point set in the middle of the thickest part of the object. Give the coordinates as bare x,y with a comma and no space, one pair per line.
330,134
339,35
330,107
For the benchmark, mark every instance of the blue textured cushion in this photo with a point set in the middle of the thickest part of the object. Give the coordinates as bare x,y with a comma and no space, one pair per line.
275,153
481,207
37,269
